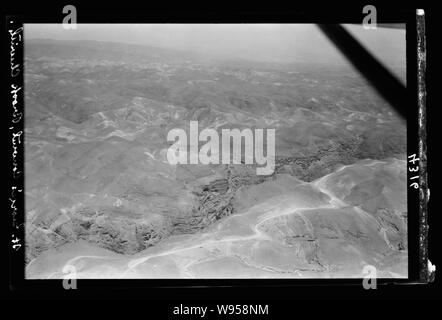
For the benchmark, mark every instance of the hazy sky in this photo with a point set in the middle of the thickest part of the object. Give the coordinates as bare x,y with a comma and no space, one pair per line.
264,42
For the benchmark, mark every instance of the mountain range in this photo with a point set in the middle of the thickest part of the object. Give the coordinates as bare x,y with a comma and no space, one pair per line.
100,194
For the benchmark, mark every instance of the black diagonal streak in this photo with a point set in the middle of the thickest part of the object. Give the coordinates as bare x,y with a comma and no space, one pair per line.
379,77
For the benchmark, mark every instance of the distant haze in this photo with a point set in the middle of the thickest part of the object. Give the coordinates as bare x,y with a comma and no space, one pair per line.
259,42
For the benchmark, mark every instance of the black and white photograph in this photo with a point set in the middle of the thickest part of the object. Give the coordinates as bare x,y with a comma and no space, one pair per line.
211,151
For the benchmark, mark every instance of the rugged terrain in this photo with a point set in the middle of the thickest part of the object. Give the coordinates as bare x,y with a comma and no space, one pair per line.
101,195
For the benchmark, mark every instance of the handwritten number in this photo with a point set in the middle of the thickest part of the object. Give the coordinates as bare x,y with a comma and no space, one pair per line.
412,159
